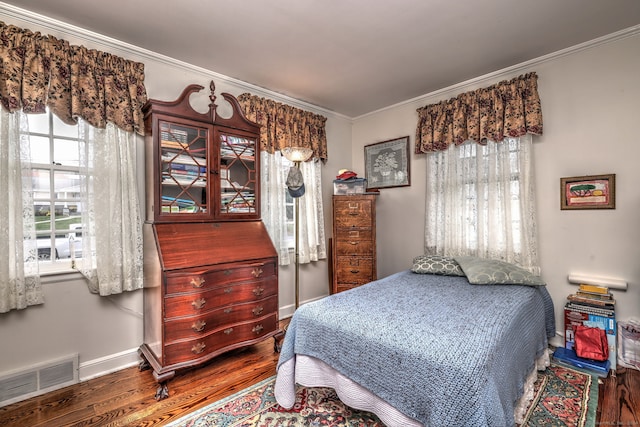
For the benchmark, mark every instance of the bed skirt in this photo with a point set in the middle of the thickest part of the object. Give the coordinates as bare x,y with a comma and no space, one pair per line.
311,372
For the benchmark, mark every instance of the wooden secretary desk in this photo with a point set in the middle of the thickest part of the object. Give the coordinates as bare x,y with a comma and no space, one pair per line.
210,268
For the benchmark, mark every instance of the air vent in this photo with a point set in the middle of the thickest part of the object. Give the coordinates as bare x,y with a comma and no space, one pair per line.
38,379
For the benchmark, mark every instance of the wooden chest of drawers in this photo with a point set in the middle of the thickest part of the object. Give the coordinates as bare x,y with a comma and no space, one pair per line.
195,308
210,311
354,241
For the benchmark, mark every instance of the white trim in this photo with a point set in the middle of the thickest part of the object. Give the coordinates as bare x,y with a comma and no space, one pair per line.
108,364
62,27
111,43
514,69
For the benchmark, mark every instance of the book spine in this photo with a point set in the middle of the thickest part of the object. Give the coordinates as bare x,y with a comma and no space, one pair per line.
582,308
604,297
188,168
591,301
594,289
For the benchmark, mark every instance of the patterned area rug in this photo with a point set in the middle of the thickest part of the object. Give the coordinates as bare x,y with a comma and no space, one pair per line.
562,397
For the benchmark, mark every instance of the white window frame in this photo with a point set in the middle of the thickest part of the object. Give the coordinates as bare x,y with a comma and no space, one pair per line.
290,210
65,237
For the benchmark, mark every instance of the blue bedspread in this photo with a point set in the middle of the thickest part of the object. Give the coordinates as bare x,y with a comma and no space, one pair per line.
437,348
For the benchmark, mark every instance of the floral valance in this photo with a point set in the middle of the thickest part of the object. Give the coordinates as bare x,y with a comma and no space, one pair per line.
507,109
39,71
285,126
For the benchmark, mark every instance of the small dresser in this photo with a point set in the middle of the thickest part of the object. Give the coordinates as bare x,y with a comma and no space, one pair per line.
354,241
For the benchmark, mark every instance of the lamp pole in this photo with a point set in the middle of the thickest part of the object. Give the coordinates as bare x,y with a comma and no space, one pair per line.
297,235
297,155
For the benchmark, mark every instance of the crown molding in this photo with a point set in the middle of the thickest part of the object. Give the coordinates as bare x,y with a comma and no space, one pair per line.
515,69
114,44
111,44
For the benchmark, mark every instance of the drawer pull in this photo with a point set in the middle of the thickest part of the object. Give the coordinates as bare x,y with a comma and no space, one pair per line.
353,205
199,303
197,282
199,325
257,272
258,291
228,331
198,348
228,310
228,290
257,329
258,311
354,243
355,271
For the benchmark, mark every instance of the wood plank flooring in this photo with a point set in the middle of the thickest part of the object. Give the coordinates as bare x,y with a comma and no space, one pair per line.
126,397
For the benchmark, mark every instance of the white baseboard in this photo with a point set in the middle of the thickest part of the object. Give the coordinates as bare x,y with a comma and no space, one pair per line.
108,364
288,310
128,358
557,340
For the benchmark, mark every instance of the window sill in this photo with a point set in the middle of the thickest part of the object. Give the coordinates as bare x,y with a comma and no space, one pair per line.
61,272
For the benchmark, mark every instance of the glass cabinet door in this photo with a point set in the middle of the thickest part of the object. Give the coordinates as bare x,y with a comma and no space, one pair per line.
183,184
237,175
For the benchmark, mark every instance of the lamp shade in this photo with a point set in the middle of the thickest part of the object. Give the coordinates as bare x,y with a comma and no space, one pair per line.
297,154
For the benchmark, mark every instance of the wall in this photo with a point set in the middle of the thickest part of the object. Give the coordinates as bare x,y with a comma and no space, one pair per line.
590,106
589,103
106,332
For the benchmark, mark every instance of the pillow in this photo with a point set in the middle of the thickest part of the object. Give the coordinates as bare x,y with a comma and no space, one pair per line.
481,271
436,264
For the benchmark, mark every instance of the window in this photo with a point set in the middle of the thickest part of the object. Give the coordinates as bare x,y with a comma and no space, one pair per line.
290,210
480,202
55,161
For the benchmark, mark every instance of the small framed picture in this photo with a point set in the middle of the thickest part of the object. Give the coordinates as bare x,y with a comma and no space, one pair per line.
387,164
588,192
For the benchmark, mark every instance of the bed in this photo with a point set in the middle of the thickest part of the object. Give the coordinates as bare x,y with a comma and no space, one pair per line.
450,342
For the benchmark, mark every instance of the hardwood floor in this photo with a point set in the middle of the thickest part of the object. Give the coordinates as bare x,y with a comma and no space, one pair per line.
126,397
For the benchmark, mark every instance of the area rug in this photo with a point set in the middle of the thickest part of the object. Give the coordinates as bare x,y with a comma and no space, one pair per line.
562,397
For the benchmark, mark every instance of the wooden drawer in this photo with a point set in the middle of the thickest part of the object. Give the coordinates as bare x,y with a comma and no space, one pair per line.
199,302
352,213
344,234
354,247
199,326
229,337
354,270
341,287
194,279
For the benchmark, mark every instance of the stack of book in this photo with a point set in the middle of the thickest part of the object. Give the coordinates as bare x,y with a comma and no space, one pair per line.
593,296
592,306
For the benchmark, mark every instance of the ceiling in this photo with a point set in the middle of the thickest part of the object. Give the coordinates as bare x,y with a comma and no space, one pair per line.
351,56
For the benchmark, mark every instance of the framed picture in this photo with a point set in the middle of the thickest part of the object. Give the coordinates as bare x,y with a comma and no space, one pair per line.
386,164
588,192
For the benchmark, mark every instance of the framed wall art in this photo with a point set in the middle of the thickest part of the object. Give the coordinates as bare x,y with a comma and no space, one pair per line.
386,164
588,192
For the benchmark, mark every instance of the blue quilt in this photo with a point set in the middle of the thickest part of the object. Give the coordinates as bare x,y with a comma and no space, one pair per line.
437,348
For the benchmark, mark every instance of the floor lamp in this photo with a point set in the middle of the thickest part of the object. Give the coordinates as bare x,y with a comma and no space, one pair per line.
295,186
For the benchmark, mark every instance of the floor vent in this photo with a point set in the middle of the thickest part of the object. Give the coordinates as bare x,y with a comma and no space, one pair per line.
38,379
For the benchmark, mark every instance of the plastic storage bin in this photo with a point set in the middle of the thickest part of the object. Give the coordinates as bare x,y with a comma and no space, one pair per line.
350,186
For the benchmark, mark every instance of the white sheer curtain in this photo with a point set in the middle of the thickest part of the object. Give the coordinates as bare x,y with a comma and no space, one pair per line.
273,176
272,202
480,201
20,284
112,224
312,237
